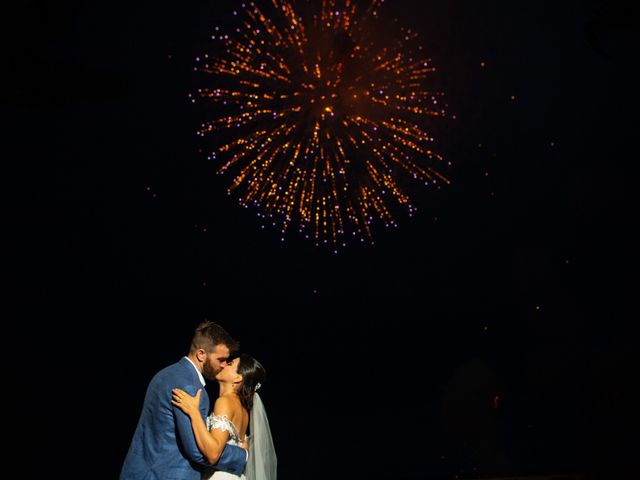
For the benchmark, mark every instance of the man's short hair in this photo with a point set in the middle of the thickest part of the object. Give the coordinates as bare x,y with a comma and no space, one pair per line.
209,334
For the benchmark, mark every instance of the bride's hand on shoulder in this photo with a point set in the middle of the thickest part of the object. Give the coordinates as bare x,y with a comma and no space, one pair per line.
185,402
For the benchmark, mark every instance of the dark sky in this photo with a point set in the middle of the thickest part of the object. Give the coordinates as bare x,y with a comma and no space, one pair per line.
492,333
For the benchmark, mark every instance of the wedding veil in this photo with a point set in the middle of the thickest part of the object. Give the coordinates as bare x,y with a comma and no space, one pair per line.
262,461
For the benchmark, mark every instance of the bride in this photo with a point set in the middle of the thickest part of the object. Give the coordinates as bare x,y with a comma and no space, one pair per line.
230,420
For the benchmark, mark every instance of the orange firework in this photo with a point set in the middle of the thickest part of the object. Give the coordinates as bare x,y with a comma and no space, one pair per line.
321,121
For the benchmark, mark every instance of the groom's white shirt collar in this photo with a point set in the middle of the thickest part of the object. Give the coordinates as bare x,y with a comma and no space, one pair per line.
197,371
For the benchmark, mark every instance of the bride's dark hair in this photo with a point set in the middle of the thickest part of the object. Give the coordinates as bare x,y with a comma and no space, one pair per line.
252,373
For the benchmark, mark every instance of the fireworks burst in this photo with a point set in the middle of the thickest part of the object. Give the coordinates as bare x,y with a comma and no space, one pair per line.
321,121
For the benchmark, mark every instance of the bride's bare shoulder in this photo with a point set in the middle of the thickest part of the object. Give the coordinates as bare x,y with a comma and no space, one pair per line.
228,406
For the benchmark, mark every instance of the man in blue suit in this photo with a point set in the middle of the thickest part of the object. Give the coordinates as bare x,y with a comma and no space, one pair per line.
163,445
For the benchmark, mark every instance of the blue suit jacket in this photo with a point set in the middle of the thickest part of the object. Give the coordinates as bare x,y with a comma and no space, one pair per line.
163,446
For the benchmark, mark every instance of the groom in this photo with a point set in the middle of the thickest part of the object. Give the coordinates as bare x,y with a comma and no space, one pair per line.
163,445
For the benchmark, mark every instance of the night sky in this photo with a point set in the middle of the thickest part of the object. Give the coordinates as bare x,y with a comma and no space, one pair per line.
492,333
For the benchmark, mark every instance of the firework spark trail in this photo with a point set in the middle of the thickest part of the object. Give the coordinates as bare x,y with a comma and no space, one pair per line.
324,120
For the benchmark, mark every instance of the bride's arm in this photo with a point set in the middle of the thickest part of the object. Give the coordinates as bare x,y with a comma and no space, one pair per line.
210,443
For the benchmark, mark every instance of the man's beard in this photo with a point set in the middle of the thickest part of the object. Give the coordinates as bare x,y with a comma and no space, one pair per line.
208,372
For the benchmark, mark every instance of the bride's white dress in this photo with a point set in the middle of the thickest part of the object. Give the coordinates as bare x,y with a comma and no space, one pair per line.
222,422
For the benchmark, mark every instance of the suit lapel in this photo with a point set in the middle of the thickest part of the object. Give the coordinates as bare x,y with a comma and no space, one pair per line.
205,403
204,397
